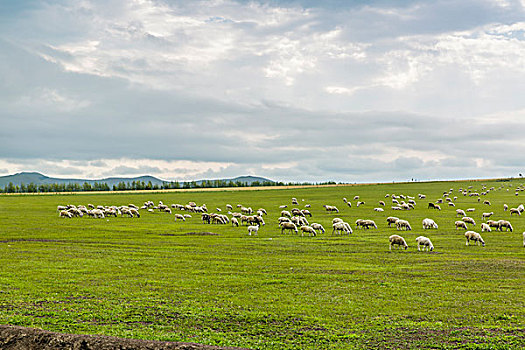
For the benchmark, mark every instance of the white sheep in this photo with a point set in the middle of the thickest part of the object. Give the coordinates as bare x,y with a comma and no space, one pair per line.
308,229
474,236
460,212
487,215
403,224
461,224
425,242
391,220
469,220
504,224
515,211
379,209
485,227
368,223
288,226
179,217
341,227
235,222
429,224
253,229
469,210
318,227
397,240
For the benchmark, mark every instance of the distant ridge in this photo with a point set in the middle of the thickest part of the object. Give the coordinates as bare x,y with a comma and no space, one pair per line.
36,178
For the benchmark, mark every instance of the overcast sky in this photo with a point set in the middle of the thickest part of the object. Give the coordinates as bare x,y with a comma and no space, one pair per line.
350,91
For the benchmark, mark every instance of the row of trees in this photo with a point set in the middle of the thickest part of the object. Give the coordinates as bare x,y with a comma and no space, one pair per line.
139,185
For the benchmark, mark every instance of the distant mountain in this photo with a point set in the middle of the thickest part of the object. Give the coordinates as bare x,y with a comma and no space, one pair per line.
33,177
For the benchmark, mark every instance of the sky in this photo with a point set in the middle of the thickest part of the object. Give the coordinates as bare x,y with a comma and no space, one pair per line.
291,90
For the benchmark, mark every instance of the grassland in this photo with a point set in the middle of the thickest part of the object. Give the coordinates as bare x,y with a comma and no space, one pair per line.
153,278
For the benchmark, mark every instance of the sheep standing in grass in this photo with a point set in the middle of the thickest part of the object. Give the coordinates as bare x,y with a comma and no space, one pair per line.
460,212
504,224
318,227
425,242
403,224
341,227
469,220
505,207
368,223
181,217
397,240
485,227
461,224
429,224
65,214
391,220
235,222
474,236
514,211
288,226
308,229
253,229
487,215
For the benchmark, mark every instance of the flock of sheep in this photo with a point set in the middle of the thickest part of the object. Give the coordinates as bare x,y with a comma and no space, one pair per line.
295,220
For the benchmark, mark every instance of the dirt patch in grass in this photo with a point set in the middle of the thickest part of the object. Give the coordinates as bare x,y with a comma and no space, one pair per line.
202,233
21,338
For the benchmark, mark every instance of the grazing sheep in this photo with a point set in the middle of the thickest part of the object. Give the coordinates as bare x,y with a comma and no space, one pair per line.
286,213
461,224
451,204
469,220
294,201
425,242
334,220
318,227
485,227
282,219
359,203
368,223
514,211
187,216
283,206
504,224
471,210
235,222
391,220
65,214
460,212
181,217
403,224
379,209
356,198
229,207
486,202
429,224
306,212
521,208
474,236
493,223
382,203
487,215
308,229
349,204
341,227
397,240
331,208
307,205
253,229
262,210
505,207
288,226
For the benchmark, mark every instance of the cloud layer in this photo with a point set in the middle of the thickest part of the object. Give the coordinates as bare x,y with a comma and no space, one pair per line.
291,90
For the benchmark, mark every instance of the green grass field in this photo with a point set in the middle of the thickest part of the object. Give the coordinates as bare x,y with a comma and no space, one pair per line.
154,278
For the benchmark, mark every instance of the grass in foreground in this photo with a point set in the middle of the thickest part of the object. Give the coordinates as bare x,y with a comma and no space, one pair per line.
153,278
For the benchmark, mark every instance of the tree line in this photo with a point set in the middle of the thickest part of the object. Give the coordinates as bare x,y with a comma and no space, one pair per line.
141,185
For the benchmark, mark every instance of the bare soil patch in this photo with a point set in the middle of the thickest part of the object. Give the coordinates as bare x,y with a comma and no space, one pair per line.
21,338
